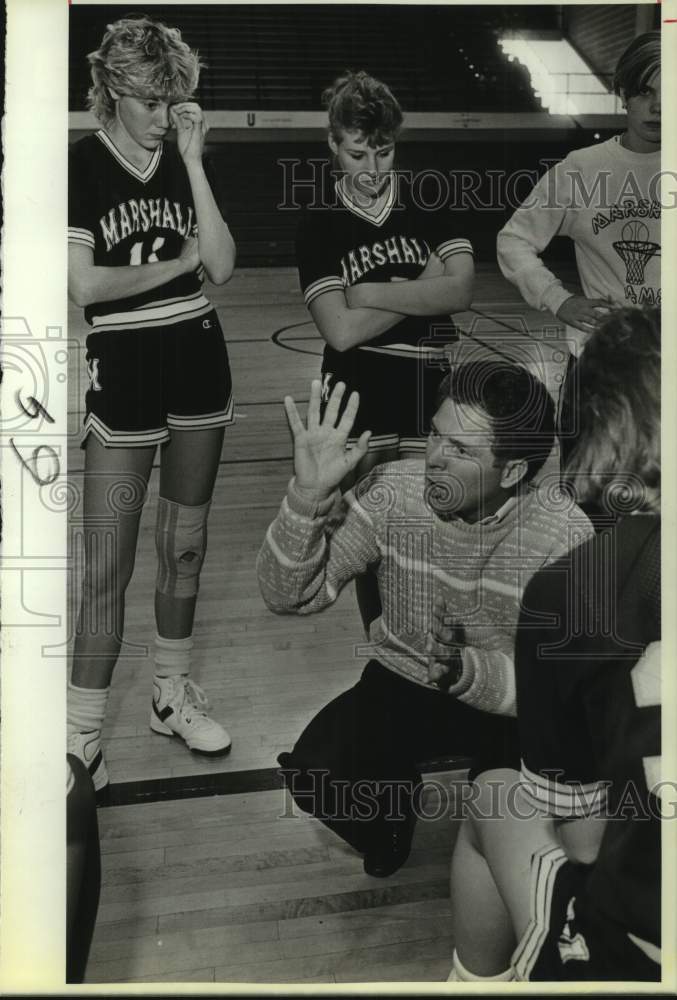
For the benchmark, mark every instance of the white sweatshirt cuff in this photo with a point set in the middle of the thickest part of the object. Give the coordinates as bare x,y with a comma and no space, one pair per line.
553,298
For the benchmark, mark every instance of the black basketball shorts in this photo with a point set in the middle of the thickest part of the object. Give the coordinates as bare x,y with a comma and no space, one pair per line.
148,382
398,394
567,939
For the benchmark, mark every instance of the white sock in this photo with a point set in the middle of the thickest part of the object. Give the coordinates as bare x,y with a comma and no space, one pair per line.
86,708
459,974
172,656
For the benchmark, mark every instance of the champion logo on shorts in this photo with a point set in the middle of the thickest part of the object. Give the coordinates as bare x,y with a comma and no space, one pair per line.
572,946
93,372
206,324
326,382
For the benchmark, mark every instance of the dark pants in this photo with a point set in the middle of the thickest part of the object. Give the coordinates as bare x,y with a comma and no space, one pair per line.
83,871
356,764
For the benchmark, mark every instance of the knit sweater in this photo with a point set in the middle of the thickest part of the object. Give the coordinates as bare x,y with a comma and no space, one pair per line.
312,549
606,199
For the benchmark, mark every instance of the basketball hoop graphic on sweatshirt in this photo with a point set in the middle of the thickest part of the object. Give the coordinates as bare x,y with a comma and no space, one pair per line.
635,250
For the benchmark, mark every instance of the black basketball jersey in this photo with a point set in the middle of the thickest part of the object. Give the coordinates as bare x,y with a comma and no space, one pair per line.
588,705
341,245
131,216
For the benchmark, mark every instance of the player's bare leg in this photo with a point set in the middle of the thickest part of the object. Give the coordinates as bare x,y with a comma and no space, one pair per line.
188,468
491,875
114,492
189,465
115,482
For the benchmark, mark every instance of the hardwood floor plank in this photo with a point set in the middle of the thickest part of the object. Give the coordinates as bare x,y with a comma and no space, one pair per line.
374,916
164,955
335,902
423,970
166,886
148,944
346,966
131,874
293,894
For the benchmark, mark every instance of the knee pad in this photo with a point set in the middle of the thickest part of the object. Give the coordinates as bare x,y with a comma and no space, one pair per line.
181,542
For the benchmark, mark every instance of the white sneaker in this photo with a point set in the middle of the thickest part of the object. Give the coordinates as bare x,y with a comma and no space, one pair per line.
180,709
87,746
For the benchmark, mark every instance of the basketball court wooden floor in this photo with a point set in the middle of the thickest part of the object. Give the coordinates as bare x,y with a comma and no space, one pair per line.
204,877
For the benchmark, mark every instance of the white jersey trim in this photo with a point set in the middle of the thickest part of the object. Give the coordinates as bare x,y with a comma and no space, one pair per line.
413,444
413,350
651,951
388,441
379,442
83,237
70,778
174,311
451,247
376,220
332,283
562,800
141,175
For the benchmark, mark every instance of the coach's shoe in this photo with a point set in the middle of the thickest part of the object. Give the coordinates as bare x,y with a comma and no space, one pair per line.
387,856
180,709
87,746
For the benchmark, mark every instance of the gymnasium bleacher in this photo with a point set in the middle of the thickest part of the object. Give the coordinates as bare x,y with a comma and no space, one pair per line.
281,57
275,60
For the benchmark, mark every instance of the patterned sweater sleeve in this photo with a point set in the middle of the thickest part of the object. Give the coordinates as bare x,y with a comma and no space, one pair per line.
487,680
312,549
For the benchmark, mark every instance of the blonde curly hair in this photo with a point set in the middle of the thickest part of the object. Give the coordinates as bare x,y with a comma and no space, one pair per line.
615,396
141,58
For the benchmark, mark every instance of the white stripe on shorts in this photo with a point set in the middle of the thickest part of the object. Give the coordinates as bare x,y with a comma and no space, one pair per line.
545,864
123,439
199,421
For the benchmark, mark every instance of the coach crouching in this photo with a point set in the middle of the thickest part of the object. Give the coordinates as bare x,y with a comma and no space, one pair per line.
453,543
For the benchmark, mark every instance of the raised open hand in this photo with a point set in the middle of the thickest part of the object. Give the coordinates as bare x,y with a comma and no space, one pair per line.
321,456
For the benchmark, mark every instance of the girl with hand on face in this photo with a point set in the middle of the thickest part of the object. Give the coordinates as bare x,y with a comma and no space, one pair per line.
144,227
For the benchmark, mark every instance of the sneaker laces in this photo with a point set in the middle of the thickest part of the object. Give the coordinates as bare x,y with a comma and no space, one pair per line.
190,695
